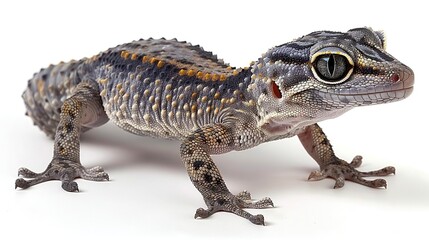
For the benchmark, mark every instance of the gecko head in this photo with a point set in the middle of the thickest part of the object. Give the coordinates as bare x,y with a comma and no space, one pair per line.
324,74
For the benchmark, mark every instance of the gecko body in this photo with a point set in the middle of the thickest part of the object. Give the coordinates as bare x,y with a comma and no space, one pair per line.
174,90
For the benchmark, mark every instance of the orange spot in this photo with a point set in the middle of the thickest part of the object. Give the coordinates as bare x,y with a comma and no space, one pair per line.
215,77
207,76
182,72
200,75
222,77
134,56
153,60
125,54
160,64
235,72
145,59
191,72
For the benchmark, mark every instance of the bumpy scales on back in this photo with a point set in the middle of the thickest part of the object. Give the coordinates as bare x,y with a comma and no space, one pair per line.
171,89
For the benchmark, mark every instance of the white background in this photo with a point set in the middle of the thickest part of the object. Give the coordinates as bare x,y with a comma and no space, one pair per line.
149,194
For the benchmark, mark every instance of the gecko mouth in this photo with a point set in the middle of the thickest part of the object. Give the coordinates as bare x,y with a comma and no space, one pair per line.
368,98
400,87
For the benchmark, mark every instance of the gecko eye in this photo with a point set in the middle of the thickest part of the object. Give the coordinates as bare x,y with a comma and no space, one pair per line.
332,66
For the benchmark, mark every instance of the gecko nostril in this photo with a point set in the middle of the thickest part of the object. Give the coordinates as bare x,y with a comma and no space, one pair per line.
395,77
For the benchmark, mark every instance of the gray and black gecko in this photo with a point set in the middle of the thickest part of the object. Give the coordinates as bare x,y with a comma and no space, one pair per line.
171,89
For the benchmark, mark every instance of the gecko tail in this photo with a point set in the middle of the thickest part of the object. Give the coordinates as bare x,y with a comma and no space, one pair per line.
47,91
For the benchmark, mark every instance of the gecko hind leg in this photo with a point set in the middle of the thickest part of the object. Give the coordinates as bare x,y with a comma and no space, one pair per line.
81,111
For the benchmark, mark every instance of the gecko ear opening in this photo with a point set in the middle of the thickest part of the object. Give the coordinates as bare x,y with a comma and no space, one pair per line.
276,90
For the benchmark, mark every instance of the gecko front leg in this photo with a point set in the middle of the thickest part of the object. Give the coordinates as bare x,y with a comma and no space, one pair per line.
317,145
82,109
205,176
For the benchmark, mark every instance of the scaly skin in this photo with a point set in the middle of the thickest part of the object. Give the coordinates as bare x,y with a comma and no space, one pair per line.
170,89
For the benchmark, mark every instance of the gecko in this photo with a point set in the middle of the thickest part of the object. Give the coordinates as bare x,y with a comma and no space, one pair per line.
172,89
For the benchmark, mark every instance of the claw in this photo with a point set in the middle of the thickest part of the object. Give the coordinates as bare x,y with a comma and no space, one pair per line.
317,175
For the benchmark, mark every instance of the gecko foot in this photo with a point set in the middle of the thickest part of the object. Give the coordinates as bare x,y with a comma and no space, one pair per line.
235,204
65,171
341,170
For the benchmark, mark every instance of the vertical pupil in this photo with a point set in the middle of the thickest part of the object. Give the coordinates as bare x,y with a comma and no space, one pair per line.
331,64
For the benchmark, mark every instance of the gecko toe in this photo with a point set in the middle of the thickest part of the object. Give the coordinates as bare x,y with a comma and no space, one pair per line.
244,195
70,186
25,172
339,182
317,175
356,162
21,183
257,219
202,213
94,176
